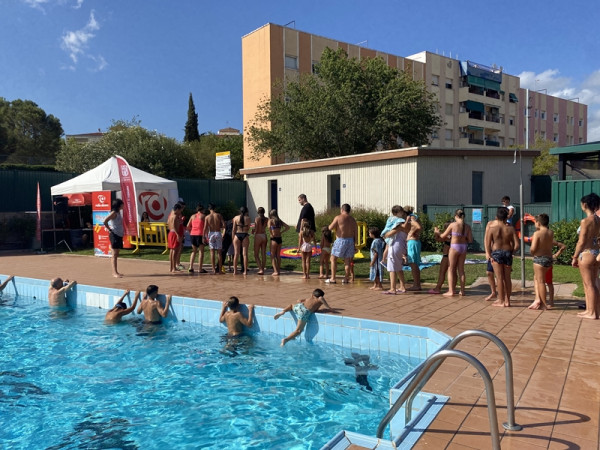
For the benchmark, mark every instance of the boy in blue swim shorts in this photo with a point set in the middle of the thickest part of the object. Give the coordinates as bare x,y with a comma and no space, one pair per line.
346,231
303,310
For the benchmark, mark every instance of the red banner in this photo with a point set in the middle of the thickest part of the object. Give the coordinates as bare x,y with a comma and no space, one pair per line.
128,196
38,206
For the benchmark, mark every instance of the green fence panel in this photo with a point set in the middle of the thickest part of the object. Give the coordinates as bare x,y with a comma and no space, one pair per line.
218,192
19,189
566,197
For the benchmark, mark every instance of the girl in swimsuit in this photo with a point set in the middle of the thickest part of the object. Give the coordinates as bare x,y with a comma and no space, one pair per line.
586,253
239,235
461,236
306,238
326,240
260,240
444,264
276,227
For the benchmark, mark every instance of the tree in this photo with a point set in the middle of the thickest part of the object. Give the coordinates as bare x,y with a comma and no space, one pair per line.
144,149
349,106
27,133
545,164
191,126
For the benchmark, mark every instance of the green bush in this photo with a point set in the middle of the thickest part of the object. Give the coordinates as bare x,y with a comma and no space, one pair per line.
566,232
229,210
428,241
372,217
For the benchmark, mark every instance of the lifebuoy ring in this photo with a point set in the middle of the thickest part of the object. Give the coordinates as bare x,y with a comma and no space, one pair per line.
527,218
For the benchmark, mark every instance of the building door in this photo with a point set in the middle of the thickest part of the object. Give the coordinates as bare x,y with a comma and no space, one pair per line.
272,194
477,188
333,191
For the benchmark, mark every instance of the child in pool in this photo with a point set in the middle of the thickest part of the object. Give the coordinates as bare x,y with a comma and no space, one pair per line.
306,238
117,312
326,240
377,246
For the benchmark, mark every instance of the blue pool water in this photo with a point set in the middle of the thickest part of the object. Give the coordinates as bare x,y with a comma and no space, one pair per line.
67,380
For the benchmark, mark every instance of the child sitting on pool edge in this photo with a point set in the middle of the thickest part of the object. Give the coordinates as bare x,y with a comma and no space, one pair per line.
304,309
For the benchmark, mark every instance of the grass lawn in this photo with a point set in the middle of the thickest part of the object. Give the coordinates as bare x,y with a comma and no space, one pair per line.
562,274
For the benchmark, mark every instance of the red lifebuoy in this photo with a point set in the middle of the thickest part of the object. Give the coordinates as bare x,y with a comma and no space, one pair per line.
527,218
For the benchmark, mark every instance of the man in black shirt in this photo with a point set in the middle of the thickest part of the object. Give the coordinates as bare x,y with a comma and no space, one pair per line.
307,213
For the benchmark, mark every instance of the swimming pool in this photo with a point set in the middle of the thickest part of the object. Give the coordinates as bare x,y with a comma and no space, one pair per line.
68,379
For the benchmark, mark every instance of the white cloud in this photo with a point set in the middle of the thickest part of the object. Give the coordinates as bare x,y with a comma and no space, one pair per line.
100,63
76,43
36,4
588,92
78,4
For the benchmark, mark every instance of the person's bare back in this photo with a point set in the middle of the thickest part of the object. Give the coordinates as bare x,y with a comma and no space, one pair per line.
214,222
542,242
58,290
503,236
234,319
345,226
151,306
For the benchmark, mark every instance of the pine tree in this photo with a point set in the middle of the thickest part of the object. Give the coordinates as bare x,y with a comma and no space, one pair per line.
191,126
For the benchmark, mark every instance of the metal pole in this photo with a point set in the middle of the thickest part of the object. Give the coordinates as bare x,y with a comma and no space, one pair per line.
522,213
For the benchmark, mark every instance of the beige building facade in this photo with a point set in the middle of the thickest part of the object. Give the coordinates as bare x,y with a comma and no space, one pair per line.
413,176
481,107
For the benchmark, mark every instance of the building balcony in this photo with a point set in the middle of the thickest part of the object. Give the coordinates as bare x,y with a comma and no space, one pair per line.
492,143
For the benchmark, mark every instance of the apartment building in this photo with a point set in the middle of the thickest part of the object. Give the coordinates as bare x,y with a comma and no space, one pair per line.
481,106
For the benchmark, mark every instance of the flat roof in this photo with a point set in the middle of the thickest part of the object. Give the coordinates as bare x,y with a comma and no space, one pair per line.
385,155
590,147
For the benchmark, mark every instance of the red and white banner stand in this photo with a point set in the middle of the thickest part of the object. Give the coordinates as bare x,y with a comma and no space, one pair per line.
130,216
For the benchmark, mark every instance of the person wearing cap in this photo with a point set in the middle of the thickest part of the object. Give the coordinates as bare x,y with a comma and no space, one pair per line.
120,309
303,310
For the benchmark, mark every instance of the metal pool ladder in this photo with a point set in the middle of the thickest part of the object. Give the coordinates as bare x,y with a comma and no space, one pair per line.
431,365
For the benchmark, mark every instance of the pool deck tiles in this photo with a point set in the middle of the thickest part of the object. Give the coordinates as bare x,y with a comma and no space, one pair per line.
555,354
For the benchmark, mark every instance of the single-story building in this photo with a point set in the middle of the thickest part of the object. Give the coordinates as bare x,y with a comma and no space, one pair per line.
414,176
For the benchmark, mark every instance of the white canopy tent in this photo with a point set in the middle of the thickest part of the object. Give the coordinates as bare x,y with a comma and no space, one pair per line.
105,177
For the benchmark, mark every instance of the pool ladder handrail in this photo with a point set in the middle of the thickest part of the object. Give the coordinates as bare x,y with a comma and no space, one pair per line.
430,366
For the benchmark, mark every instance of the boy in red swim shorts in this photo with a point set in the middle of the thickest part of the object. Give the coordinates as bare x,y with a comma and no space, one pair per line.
173,239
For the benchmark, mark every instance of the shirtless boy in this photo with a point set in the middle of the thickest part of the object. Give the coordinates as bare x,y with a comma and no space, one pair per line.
213,224
500,244
58,290
174,238
234,319
542,244
346,232
117,312
150,305
304,309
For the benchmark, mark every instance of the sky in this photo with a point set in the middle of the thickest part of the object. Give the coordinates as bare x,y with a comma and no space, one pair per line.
91,62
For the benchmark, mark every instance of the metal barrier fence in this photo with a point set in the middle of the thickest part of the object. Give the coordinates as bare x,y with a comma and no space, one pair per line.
150,234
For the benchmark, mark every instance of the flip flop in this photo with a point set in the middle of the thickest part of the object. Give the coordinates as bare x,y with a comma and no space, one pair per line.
400,291
388,293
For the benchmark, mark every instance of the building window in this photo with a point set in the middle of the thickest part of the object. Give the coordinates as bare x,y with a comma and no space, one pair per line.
435,80
555,139
571,140
535,114
572,120
511,120
434,134
543,115
448,83
448,109
543,134
511,142
448,135
501,117
580,122
555,118
581,140
291,62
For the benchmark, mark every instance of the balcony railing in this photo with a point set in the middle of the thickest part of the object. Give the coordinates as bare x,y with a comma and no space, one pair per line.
492,143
